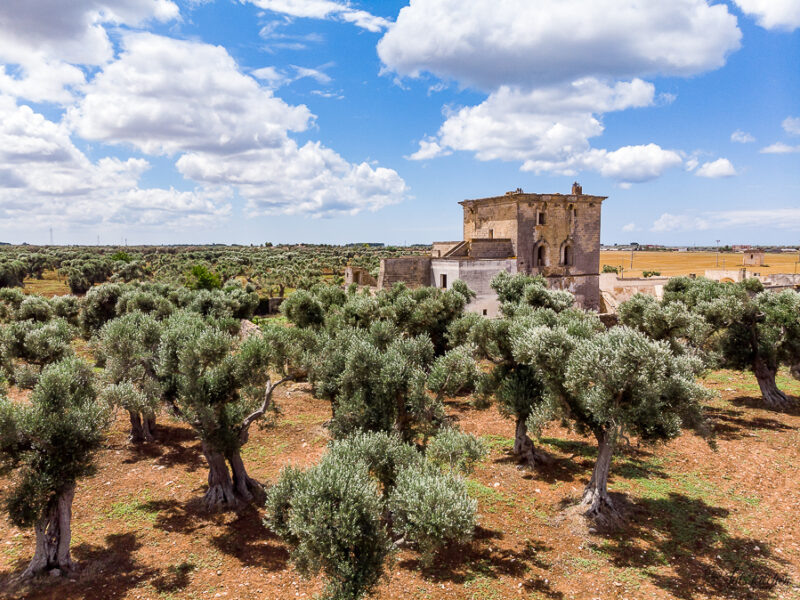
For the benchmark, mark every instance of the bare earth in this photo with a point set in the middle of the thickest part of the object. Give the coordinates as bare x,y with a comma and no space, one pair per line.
702,524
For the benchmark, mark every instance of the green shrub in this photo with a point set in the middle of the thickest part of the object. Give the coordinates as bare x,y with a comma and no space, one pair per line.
456,450
200,278
432,509
35,308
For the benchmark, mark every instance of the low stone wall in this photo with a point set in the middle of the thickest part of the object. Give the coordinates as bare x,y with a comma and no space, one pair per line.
358,276
486,248
414,271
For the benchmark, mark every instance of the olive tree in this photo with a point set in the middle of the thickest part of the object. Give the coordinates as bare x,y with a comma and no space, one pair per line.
50,444
129,345
612,384
752,328
220,389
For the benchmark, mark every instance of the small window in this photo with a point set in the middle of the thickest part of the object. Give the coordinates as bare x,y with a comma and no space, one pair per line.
567,255
485,312
540,220
491,234
443,281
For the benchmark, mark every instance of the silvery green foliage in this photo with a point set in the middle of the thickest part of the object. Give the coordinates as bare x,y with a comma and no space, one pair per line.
144,301
334,524
99,306
516,292
684,329
454,373
52,441
130,346
35,308
35,344
384,455
632,384
67,308
455,450
303,309
432,509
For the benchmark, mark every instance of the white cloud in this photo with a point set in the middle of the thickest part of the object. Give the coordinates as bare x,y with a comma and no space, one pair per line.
486,44
669,222
548,128
779,218
629,227
742,137
780,148
721,167
633,164
428,148
172,97
47,180
324,9
41,41
552,69
773,14
791,125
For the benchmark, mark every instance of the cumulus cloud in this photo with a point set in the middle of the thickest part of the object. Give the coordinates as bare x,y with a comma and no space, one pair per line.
780,148
742,137
629,227
41,41
791,125
190,100
773,14
47,179
721,167
486,44
779,218
552,69
325,9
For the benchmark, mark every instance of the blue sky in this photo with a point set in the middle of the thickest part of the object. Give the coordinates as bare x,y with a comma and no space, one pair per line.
245,121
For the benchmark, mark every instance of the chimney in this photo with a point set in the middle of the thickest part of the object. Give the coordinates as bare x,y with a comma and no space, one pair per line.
577,190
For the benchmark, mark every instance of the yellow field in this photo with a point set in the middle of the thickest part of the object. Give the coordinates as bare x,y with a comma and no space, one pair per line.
683,263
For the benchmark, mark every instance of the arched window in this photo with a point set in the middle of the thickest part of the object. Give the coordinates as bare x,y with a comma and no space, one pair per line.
567,259
540,255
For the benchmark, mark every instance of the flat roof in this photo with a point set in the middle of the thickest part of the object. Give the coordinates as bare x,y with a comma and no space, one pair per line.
524,197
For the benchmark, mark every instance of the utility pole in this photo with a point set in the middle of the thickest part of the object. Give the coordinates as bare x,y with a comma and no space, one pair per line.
632,258
717,253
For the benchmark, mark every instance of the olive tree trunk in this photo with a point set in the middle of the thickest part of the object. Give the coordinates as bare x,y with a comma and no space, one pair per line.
524,448
53,536
600,507
142,427
765,375
220,494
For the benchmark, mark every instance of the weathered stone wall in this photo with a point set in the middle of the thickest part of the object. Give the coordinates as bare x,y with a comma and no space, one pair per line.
614,291
753,259
477,274
358,276
495,220
494,248
439,249
415,271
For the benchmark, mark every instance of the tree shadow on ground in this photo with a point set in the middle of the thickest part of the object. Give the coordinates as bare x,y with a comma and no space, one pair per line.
182,517
110,571
173,446
102,573
481,559
683,545
756,402
251,543
734,424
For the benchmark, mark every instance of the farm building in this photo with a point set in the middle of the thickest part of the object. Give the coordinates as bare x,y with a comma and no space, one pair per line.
554,235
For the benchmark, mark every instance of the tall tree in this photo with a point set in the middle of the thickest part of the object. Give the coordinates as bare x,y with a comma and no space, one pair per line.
48,445
613,384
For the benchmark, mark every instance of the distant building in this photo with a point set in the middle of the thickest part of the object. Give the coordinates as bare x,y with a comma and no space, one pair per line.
553,235
753,258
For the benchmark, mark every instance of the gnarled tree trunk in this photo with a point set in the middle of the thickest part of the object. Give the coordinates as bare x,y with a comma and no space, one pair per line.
142,427
244,486
600,507
220,494
773,397
524,447
53,536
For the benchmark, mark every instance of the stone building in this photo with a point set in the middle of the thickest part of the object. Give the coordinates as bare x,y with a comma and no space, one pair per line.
753,258
554,235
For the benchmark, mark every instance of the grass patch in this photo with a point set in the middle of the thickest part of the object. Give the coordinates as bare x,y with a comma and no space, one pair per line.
135,510
497,443
489,499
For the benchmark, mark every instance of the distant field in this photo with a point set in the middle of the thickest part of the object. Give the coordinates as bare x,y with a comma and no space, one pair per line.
683,263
